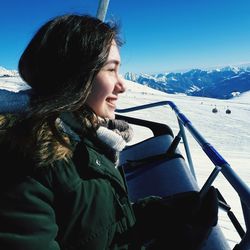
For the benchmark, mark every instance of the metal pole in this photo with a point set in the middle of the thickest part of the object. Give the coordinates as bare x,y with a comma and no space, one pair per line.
187,150
102,9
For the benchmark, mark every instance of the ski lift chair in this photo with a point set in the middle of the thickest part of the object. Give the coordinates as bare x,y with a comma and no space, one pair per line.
215,110
155,166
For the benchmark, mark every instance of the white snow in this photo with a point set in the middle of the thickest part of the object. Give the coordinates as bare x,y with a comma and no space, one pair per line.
228,133
4,71
14,84
242,98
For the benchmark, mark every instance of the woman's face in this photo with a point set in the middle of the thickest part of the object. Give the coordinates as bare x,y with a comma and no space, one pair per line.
107,85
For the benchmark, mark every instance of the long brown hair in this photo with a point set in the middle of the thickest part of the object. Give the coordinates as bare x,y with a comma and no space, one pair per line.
60,63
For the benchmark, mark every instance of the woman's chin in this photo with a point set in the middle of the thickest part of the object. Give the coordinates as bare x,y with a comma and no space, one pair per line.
110,115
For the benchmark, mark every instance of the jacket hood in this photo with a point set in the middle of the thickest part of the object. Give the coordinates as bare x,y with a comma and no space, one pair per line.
44,149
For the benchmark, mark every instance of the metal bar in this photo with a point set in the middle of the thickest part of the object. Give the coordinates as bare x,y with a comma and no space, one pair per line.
236,224
187,150
102,9
226,207
145,106
245,242
240,187
209,181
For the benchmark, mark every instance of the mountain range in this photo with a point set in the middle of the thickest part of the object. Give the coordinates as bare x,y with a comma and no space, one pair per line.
223,83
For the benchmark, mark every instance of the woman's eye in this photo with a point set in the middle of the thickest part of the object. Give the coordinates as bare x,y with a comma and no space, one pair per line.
111,69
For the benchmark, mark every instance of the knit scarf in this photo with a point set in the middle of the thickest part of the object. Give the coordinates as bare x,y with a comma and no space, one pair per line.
115,134
112,134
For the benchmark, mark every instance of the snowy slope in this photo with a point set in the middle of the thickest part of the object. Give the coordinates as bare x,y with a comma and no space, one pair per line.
14,84
243,98
228,133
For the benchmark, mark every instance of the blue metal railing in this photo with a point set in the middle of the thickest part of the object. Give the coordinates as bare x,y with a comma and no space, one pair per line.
241,188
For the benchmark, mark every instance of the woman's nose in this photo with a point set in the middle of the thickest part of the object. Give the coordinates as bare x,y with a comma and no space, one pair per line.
121,85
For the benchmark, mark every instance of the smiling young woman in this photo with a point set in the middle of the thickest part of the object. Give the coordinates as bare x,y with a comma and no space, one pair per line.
60,187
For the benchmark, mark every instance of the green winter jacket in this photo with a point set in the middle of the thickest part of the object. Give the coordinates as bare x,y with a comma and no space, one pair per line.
75,203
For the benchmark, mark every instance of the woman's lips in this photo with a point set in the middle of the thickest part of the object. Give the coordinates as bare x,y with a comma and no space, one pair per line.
111,101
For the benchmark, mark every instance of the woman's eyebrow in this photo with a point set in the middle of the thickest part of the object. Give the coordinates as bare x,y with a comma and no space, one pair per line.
117,62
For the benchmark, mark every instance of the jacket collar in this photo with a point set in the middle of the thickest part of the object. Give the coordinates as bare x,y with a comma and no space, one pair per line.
99,163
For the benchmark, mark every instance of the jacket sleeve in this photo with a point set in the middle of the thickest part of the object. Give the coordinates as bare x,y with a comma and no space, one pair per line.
27,219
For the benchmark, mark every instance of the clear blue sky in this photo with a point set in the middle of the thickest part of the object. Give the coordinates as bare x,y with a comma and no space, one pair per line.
160,35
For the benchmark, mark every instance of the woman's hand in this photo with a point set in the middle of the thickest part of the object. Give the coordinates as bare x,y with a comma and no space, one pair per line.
182,221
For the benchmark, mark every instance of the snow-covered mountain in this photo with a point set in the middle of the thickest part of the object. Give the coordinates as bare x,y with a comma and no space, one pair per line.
223,83
7,73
